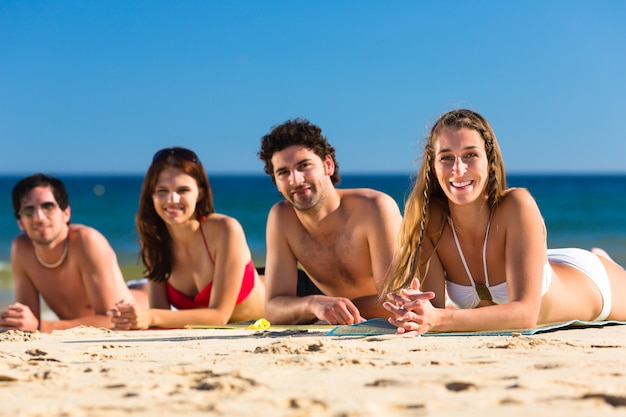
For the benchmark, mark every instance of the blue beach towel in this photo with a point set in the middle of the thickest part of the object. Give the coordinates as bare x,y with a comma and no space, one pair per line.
377,327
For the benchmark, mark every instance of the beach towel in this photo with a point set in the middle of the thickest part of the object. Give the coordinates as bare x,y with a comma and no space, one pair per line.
377,327
262,324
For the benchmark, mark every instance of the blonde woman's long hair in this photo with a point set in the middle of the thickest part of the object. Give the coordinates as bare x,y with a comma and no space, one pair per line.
426,190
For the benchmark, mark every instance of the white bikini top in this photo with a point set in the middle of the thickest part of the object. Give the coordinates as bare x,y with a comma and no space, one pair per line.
466,296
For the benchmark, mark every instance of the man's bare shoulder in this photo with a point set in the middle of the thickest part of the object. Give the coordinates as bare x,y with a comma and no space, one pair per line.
21,243
81,232
282,221
366,199
282,208
88,242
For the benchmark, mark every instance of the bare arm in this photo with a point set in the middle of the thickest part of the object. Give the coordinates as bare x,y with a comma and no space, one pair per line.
281,276
283,306
525,254
231,257
101,277
157,295
433,272
383,221
127,315
25,313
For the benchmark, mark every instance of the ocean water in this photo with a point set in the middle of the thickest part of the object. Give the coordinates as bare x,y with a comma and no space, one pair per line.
580,211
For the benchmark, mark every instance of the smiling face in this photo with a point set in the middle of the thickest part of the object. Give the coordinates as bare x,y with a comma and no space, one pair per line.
175,196
461,165
301,176
41,218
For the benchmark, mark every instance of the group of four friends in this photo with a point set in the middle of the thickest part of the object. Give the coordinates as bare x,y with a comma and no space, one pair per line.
468,253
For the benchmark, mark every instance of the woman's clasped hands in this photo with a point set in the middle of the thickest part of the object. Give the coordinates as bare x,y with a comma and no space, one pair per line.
412,312
129,316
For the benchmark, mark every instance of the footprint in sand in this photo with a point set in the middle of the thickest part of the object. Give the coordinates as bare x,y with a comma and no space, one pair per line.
8,378
458,386
533,343
222,383
281,347
614,400
39,355
379,383
307,404
36,352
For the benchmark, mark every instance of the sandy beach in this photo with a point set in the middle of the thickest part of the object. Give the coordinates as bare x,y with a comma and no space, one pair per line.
302,372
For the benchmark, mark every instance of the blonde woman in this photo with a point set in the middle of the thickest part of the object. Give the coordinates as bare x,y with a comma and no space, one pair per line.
466,235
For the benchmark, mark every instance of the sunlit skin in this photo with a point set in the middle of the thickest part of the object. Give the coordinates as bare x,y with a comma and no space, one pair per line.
46,228
512,250
79,289
342,238
461,165
175,196
301,177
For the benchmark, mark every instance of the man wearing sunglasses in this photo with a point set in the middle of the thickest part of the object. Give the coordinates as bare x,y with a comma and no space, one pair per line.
343,238
71,266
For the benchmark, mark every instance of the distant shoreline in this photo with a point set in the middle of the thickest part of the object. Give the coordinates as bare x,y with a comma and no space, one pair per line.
580,209
130,271
512,174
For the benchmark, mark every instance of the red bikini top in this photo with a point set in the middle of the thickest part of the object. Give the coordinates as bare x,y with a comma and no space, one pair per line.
183,302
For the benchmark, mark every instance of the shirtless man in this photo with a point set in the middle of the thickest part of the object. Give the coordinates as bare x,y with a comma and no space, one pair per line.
343,238
73,267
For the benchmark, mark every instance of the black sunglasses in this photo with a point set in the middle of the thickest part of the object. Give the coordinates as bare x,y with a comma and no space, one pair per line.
183,153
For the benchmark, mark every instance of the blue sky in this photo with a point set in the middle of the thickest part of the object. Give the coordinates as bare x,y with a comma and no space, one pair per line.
99,86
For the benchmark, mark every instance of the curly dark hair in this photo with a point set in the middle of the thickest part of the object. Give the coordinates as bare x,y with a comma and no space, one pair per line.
296,132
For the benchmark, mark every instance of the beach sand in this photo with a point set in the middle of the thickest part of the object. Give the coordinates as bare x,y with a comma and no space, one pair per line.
239,372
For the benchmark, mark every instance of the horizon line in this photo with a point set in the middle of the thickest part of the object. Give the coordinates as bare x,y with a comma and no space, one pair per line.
349,173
